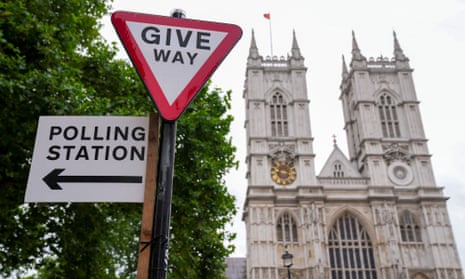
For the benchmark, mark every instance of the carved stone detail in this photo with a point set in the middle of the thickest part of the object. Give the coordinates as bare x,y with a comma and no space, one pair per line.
282,153
396,152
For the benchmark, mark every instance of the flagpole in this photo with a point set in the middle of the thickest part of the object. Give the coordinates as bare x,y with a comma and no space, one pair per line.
271,37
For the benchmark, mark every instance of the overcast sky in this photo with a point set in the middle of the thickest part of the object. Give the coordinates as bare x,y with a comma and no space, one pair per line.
431,33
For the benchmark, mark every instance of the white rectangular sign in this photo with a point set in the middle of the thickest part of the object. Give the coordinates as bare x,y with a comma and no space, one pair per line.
89,159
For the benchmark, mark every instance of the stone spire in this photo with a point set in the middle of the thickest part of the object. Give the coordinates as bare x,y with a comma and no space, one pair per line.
359,62
253,51
345,72
398,52
295,51
356,53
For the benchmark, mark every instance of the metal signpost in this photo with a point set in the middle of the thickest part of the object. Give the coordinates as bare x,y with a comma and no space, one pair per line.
174,57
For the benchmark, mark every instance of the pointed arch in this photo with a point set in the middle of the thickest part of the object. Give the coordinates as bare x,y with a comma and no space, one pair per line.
278,106
384,90
388,114
350,249
354,212
286,228
409,227
278,89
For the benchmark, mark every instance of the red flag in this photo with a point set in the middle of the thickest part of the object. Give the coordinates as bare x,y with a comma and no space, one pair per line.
267,16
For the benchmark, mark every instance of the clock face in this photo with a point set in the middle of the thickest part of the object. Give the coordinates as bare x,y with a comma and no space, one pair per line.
283,174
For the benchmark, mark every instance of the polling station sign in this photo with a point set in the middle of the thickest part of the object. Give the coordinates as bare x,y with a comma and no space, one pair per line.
174,56
88,159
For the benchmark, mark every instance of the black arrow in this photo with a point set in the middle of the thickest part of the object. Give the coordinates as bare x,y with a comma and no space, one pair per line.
54,177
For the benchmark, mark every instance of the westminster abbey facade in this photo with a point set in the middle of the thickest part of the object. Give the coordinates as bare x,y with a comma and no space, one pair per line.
374,213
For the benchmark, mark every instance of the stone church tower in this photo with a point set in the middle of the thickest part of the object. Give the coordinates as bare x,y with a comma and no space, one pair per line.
377,213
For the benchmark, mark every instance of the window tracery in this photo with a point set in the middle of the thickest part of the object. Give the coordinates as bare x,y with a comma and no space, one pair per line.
286,228
350,250
409,227
278,115
388,115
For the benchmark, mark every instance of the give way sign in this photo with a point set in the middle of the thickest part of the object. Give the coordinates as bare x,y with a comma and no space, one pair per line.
174,56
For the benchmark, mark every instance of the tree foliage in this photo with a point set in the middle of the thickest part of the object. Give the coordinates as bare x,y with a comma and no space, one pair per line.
54,62
201,202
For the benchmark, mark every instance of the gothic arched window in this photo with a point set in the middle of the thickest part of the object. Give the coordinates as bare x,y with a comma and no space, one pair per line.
409,228
350,250
338,171
388,115
278,114
286,228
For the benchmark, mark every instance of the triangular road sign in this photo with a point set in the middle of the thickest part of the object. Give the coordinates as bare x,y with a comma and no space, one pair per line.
174,56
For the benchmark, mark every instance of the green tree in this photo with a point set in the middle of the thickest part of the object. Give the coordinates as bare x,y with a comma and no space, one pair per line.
201,204
54,62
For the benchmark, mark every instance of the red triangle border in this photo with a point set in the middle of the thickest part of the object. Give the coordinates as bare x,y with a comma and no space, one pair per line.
173,112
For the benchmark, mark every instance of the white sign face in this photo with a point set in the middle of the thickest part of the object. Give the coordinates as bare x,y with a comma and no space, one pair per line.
88,159
174,54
